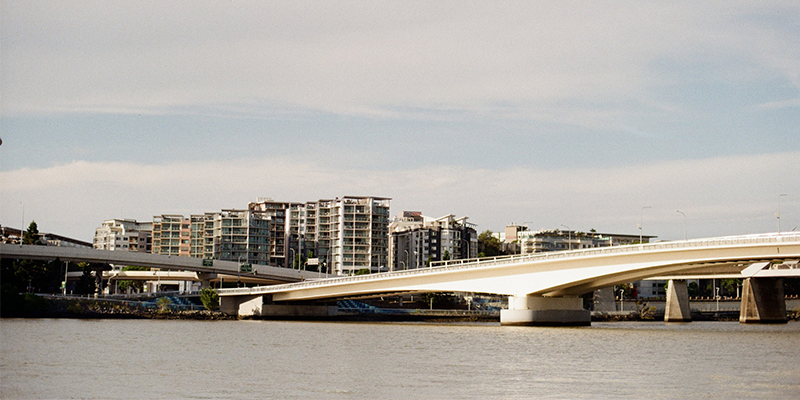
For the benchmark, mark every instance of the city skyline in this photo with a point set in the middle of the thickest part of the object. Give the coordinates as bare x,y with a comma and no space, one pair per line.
591,116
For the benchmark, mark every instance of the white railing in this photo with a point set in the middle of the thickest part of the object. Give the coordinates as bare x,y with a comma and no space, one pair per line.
452,265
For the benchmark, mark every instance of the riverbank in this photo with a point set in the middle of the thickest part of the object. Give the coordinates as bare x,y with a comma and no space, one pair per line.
33,306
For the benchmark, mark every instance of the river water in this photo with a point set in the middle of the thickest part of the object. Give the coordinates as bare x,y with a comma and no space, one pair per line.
123,359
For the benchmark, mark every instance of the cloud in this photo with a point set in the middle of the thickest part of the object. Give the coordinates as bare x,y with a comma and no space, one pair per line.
382,59
720,196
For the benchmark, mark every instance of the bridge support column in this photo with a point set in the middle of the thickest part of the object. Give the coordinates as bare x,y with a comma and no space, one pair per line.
545,311
243,306
763,301
604,300
677,302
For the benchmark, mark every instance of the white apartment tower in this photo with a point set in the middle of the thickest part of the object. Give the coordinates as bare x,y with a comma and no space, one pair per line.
123,234
346,234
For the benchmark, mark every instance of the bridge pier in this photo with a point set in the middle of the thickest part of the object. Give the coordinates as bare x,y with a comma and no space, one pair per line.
243,306
763,301
678,309
604,300
254,305
545,311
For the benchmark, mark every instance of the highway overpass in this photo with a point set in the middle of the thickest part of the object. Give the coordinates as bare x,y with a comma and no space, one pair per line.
206,269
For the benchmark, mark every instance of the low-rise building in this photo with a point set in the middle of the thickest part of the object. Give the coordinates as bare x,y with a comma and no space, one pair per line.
124,234
415,240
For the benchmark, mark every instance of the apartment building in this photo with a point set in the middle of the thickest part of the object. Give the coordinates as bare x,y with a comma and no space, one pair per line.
416,240
345,234
279,233
124,234
171,235
559,240
237,235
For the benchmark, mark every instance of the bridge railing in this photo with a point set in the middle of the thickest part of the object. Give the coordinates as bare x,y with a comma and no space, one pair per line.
450,265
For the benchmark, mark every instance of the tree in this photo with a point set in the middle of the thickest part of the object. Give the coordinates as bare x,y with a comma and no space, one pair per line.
209,298
488,245
363,271
446,255
164,304
32,236
86,283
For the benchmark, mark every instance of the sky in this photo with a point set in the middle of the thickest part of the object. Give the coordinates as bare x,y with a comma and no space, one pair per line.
679,118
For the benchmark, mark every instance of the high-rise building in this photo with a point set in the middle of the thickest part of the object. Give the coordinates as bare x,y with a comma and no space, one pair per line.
171,235
345,234
237,235
278,234
124,234
416,240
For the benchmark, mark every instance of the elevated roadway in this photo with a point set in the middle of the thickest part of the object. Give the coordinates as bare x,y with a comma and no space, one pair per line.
208,269
553,281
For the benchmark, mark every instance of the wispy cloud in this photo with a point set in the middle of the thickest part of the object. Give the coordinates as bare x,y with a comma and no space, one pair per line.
720,196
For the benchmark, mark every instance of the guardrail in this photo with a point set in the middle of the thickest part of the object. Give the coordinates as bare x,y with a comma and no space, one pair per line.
451,265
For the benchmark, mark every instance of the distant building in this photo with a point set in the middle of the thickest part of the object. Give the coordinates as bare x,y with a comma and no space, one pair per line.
124,235
345,234
237,235
559,240
171,235
416,240
279,232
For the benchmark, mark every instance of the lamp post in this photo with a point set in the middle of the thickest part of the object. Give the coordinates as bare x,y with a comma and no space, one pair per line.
406,263
22,226
239,273
641,221
684,223
621,296
569,231
779,212
64,288
293,253
468,254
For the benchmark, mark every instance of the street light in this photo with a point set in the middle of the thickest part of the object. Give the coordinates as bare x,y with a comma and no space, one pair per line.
641,221
779,212
406,263
294,254
22,226
684,223
621,296
570,235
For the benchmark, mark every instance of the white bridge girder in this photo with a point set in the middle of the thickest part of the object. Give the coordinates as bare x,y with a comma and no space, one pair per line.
565,274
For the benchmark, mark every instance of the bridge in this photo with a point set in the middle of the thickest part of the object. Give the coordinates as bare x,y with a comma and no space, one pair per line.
204,270
544,288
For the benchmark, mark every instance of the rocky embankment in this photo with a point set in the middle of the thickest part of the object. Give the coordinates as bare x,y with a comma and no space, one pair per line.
41,307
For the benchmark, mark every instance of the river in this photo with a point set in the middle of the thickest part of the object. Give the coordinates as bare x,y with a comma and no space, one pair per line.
123,359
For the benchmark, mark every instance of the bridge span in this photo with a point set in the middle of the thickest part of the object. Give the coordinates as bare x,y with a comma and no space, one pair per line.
206,269
544,288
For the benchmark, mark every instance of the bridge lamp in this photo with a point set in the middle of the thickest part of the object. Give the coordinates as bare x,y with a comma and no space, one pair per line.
778,215
641,221
684,223
569,231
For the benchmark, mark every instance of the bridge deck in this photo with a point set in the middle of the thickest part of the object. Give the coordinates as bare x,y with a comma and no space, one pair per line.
566,273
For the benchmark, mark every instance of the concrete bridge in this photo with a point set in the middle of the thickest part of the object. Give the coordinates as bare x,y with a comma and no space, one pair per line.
205,270
544,288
